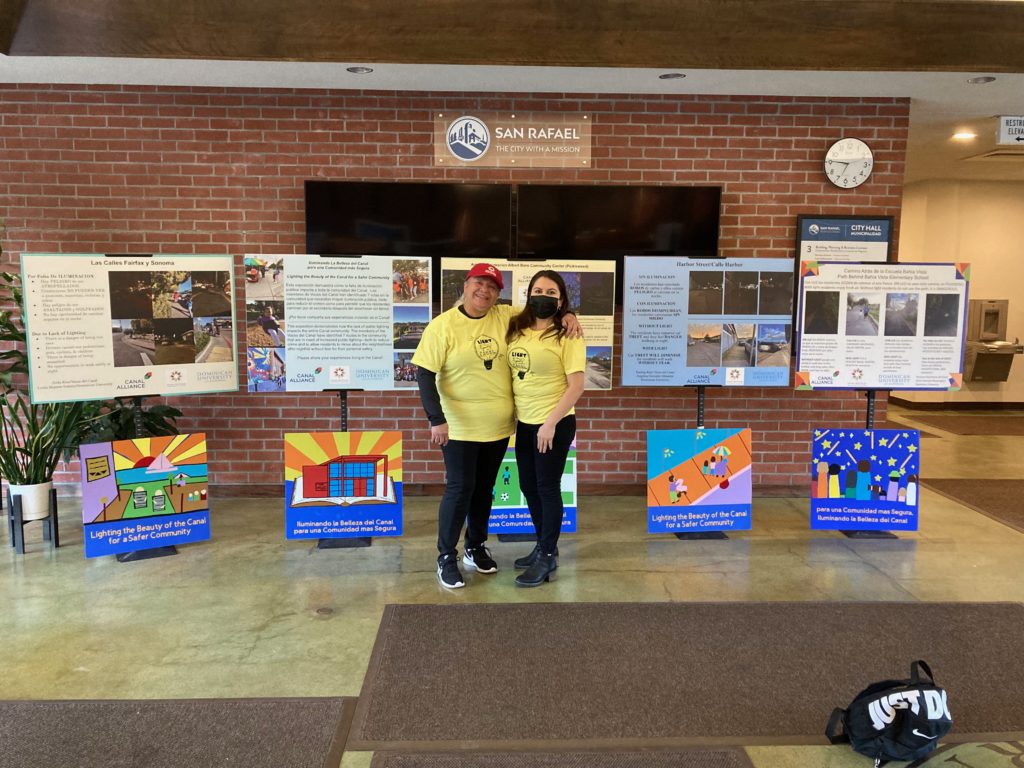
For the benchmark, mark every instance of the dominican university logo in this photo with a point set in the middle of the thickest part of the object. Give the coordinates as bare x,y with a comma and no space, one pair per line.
468,138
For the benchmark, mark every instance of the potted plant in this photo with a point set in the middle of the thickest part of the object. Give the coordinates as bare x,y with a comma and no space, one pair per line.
33,437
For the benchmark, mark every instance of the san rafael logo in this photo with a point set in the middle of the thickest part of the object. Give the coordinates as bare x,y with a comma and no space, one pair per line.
468,138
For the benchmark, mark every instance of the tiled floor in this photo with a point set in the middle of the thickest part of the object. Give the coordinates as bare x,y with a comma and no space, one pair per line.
249,614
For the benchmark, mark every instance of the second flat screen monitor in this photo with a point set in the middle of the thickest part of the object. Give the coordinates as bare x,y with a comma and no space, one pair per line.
604,222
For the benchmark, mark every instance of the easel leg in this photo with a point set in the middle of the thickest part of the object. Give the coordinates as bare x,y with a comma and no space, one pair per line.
869,424
19,526
53,518
354,542
138,554
701,535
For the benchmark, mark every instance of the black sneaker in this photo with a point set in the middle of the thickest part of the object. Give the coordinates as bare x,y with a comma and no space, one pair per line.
479,559
448,572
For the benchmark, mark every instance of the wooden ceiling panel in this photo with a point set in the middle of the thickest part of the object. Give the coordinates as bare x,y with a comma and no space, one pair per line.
890,35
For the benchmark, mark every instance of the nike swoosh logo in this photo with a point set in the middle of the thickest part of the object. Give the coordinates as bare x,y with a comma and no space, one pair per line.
922,735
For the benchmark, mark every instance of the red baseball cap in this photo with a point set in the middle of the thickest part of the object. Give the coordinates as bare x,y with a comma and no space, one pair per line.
483,269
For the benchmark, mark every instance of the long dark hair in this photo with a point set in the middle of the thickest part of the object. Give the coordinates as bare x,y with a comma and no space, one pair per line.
526,318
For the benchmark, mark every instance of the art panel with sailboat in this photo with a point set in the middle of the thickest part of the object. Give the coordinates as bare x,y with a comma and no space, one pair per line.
144,493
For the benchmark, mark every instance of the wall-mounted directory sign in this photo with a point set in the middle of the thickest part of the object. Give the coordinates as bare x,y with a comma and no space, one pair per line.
340,485
591,288
881,326
865,479
316,323
120,326
844,238
699,480
707,321
509,511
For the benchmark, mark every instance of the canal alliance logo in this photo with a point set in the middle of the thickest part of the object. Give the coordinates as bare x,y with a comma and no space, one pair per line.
468,138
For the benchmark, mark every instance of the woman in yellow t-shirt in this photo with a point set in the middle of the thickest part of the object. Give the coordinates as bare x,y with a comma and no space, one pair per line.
547,380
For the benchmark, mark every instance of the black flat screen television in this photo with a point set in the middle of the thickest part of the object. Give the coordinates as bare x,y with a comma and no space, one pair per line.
414,219
608,222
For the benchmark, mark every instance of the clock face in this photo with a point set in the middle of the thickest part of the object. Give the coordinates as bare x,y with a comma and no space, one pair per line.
848,163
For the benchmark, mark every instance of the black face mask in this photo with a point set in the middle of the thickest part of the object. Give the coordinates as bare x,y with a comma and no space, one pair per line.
543,307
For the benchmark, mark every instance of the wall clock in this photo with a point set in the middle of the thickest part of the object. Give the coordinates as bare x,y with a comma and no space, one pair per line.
848,163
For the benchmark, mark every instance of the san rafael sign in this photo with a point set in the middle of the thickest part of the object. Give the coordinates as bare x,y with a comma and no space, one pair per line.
512,140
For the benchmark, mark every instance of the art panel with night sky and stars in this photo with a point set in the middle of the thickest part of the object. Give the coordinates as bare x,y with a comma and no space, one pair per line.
865,479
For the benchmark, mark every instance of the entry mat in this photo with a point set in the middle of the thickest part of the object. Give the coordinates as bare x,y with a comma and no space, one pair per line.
972,424
689,758
228,733
998,499
531,677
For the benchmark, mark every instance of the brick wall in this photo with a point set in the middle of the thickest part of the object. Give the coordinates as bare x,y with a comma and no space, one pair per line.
112,169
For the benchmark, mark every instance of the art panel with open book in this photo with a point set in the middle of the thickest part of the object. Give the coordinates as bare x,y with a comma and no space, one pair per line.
343,484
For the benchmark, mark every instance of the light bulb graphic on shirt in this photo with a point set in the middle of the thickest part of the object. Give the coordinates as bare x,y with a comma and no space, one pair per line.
519,361
486,349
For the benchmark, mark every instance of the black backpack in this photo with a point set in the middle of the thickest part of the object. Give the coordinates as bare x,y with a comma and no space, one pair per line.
894,719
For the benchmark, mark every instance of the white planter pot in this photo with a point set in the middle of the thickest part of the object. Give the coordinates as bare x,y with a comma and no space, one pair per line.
35,499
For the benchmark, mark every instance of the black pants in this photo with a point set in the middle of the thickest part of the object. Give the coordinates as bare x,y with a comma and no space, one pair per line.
471,470
540,478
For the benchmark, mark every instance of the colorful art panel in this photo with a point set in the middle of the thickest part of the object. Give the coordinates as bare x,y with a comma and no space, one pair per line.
865,480
509,511
144,493
342,485
699,480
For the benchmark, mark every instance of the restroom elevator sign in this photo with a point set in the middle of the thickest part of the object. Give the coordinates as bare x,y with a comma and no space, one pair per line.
1011,130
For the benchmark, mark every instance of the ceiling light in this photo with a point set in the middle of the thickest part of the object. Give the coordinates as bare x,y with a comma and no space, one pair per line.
964,135
672,76
359,70
981,80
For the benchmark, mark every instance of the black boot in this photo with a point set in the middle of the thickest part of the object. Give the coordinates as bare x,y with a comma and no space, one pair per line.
522,563
544,568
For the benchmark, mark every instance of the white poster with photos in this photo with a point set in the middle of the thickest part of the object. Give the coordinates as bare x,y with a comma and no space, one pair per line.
696,322
316,323
123,326
591,289
881,326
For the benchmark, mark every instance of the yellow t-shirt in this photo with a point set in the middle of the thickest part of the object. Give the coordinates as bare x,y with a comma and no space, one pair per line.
468,356
539,367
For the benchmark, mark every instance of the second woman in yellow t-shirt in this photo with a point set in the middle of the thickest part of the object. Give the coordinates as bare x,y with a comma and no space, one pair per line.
547,380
